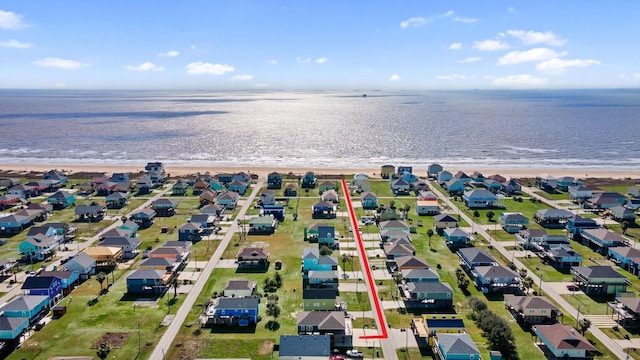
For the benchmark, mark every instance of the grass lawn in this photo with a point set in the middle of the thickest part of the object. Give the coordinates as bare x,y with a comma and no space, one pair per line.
590,305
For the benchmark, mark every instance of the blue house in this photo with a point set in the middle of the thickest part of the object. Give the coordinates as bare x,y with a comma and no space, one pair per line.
602,239
38,247
456,347
479,198
294,347
433,170
233,311
144,217
61,199
146,282
15,223
513,222
456,237
12,327
69,279
409,177
577,223
626,257
564,257
313,261
369,200
225,178
27,306
50,286
563,342
454,186
275,210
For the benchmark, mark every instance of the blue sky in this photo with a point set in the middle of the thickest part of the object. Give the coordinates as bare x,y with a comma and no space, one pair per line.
353,44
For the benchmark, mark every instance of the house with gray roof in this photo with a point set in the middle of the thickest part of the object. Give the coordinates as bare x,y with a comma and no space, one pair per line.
428,295
599,280
552,218
497,279
84,264
334,323
531,309
602,239
473,257
308,347
455,347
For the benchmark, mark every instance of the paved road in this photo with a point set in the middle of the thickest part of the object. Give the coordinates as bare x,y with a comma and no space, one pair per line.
171,332
387,344
74,249
547,288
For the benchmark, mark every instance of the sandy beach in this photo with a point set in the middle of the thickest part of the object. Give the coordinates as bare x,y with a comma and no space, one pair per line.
176,171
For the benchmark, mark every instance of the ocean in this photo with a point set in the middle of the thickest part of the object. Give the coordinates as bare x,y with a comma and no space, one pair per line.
550,129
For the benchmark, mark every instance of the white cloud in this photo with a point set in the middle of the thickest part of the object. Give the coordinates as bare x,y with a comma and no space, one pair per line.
146,66
200,68
465,20
536,37
455,46
170,53
556,65
511,9
242,77
448,13
536,54
470,59
303,60
13,43
520,81
273,62
321,60
451,77
60,63
10,20
413,22
394,77
490,45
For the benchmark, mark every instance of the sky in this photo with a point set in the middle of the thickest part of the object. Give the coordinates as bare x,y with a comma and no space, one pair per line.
310,45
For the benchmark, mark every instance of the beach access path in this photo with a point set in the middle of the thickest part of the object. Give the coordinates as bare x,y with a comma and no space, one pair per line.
546,287
80,246
182,313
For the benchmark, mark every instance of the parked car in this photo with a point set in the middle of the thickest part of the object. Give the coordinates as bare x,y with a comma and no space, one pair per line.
336,357
573,287
354,353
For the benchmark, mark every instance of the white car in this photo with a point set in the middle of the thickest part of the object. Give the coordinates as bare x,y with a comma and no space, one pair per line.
354,354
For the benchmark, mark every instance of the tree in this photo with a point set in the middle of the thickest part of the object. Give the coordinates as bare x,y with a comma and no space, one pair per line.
522,272
101,277
325,250
429,235
463,281
584,324
103,350
273,310
174,284
476,213
277,279
527,283
345,258
625,226
406,210
490,214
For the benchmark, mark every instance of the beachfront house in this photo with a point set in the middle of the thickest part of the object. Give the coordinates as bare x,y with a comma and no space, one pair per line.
274,180
599,280
513,222
155,172
480,199
326,185
511,187
433,170
387,171
531,309
553,218
309,180
563,342
605,200
232,311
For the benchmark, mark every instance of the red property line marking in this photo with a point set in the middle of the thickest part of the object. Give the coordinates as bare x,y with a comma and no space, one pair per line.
367,267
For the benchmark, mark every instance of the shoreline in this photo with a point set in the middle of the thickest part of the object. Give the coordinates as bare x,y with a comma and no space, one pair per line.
262,171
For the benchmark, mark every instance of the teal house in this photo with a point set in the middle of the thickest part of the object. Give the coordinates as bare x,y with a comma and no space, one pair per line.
26,306
513,222
61,199
238,186
12,327
369,200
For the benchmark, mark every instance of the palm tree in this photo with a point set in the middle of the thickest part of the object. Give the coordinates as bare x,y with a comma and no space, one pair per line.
174,284
344,261
103,350
625,226
527,283
101,277
429,235
522,272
